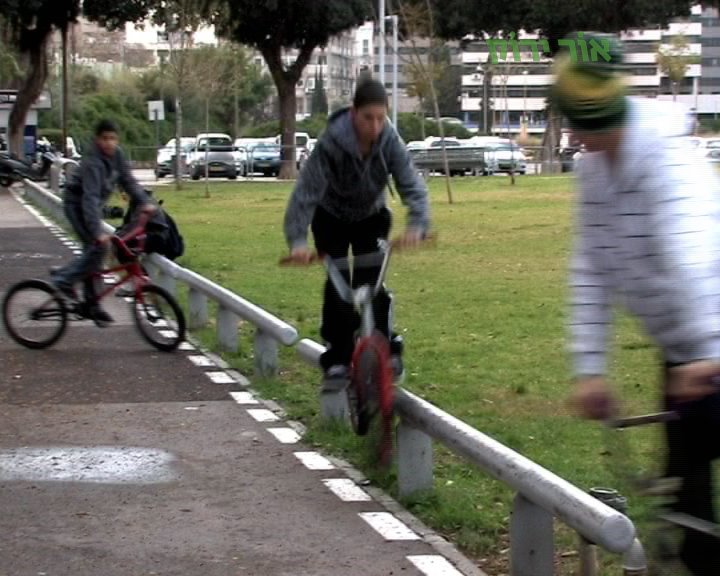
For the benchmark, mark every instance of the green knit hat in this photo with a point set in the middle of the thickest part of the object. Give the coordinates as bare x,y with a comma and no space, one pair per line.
590,91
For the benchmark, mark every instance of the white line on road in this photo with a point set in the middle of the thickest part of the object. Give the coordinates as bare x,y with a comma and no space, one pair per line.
285,435
388,526
314,461
243,398
263,415
200,360
434,565
347,490
183,345
220,377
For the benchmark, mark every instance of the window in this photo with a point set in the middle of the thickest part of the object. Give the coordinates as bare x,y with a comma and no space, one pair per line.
162,37
366,46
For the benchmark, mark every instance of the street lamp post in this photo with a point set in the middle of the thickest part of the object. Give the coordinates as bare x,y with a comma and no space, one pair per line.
394,20
381,43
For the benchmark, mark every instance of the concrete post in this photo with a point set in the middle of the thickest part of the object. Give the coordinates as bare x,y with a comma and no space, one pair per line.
198,309
531,539
333,399
167,282
227,329
414,460
266,355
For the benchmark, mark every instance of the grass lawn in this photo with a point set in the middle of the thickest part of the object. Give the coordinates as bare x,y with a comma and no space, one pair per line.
483,316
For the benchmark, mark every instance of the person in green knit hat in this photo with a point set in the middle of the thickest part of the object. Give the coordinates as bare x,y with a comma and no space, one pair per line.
646,238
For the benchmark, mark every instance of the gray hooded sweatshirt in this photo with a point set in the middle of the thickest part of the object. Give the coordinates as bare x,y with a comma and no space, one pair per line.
351,188
95,180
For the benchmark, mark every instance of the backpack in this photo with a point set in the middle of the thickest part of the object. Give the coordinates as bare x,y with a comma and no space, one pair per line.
162,233
174,244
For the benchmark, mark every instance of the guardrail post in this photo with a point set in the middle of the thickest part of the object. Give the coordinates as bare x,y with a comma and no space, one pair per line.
198,309
414,460
333,399
266,354
531,539
227,329
55,179
634,560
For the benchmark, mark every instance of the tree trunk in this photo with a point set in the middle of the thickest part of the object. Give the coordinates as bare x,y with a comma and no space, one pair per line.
285,81
27,96
178,168
288,107
550,141
441,129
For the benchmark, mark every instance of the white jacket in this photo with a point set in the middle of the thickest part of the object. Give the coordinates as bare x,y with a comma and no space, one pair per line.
647,238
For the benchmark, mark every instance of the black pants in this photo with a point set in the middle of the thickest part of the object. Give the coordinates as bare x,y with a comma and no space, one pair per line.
693,442
334,237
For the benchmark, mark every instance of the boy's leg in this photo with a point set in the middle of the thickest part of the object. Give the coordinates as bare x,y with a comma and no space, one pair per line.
339,320
690,457
89,260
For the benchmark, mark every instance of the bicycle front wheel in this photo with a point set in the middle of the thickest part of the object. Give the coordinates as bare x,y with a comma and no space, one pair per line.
159,318
33,314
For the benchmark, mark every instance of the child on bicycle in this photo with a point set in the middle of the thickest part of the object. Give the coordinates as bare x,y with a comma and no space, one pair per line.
647,237
86,192
340,194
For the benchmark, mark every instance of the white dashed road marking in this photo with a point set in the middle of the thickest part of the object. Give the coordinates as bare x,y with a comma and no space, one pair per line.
314,461
388,526
220,377
201,360
285,435
347,490
263,415
243,398
434,565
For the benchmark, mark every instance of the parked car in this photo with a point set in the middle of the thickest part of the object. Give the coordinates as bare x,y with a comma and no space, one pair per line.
265,158
240,153
712,155
508,157
212,154
166,155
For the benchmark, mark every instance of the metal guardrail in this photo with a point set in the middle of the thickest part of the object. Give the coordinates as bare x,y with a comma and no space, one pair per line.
540,494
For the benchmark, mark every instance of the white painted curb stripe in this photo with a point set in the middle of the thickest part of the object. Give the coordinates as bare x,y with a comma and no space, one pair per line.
388,526
434,565
347,490
220,377
263,415
183,345
201,360
167,333
314,461
285,435
243,398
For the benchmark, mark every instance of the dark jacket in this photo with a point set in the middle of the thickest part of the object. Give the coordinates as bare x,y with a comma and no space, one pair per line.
90,185
351,188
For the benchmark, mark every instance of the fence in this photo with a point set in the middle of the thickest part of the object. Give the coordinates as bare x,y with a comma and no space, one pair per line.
540,494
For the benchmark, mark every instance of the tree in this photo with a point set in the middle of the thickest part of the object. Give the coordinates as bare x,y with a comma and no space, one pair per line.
674,61
271,27
30,25
319,102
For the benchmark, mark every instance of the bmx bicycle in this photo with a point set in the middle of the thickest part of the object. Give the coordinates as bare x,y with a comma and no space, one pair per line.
370,389
35,314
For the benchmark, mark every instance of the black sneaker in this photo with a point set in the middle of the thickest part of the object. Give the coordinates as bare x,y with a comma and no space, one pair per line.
99,316
398,369
337,372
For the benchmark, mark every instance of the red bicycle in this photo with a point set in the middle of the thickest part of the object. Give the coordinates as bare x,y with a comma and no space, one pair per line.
35,314
371,390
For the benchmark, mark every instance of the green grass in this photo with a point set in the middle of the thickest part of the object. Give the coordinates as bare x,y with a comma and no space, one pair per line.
483,317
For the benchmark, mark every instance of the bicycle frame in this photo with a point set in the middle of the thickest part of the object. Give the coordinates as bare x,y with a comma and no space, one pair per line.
362,297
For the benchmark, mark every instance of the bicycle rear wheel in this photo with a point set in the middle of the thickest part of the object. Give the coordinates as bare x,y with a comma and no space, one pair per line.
370,394
159,318
33,314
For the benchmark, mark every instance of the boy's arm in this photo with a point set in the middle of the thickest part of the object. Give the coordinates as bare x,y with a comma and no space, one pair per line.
92,176
308,191
410,185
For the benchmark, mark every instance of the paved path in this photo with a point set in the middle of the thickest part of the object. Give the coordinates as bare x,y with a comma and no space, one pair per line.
116,459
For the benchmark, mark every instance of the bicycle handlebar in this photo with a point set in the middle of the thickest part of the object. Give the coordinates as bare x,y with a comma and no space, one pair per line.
138,231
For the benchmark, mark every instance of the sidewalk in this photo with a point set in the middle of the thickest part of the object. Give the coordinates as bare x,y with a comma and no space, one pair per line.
116,459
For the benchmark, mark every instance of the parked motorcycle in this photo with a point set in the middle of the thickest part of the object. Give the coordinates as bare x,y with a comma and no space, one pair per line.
12,169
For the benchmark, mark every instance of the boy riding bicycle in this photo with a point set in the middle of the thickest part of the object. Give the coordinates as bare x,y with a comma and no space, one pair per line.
89,187
340,193
648,237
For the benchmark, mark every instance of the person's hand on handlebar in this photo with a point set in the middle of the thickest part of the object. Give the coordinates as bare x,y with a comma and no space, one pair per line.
148,209
300,255
103,239
410,239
